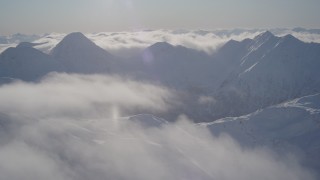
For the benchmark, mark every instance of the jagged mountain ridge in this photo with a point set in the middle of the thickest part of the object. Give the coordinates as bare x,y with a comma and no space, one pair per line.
241,77
268,71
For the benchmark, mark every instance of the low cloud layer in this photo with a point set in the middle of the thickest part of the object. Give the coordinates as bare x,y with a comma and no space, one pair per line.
70,127
130,43
81,94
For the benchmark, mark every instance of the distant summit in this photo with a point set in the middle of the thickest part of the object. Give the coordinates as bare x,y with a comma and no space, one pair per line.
81,55
28,44
74,42
26,63
264,36
268,70
75,38
161,46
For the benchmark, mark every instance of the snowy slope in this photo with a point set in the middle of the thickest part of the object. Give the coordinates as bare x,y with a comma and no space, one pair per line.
26,63
293,126
289,127
268,70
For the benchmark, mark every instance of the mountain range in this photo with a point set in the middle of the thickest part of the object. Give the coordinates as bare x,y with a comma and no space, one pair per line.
241,77
261,91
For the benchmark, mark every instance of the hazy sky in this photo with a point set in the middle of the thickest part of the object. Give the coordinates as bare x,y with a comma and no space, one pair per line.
37,16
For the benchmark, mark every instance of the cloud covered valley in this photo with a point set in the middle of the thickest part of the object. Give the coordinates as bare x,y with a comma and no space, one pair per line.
71,127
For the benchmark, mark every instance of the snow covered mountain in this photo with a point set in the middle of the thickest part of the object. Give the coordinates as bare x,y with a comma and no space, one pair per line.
239,78
267,70
26,63
80,55
289,126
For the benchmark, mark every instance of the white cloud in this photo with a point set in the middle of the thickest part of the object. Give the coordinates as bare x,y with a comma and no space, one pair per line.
48,42
81,94
131,42
66,127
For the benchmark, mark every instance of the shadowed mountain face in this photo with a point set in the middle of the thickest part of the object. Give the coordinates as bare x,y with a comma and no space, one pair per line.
26,63
268,71
80,55
177,66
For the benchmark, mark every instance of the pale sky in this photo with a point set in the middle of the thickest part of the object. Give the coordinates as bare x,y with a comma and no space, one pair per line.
39,16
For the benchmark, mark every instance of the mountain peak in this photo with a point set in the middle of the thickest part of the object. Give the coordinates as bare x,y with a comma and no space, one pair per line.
75,38
27,63
79,54
231,43
74,42
167,47
28,44
264,36
161,45
290,37
75,35
25,44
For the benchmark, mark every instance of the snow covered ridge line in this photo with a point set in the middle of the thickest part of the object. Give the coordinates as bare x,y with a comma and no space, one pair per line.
267,70
128,43
292,126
